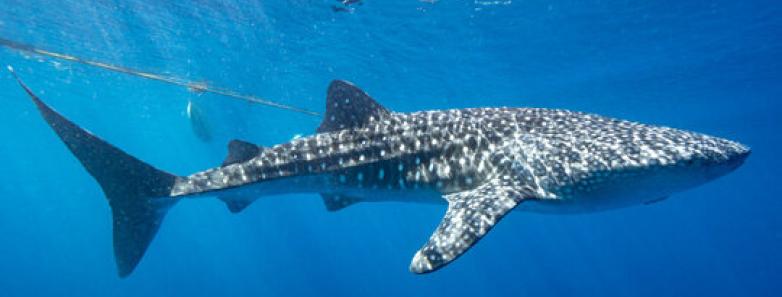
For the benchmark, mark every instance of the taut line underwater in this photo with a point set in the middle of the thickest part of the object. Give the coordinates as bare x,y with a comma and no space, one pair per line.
192,86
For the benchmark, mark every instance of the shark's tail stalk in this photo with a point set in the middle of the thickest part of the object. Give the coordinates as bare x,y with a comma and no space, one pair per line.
137,192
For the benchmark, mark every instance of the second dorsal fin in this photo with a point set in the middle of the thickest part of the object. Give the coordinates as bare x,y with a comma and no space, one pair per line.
240,151
347,106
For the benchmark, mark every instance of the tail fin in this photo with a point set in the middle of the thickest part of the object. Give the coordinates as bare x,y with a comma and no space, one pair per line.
135,190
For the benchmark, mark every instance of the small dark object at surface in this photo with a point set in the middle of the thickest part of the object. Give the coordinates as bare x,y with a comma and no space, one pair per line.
346,5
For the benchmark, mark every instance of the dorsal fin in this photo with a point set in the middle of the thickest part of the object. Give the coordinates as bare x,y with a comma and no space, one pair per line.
240,151
335,202
347,106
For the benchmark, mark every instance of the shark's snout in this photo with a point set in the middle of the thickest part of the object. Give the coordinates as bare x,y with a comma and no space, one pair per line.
724,157
737,154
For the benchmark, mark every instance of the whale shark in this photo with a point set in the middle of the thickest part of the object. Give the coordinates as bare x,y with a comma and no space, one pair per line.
480,162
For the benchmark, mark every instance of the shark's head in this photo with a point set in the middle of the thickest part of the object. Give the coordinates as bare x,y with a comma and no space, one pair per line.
681,160
712,157
641,165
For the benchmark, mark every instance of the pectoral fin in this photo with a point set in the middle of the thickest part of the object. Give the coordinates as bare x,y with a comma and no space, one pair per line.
470,215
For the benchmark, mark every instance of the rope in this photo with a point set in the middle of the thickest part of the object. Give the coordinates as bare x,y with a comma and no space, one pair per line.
190,85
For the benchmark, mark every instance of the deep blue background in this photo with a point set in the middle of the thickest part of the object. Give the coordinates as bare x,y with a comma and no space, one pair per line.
708,66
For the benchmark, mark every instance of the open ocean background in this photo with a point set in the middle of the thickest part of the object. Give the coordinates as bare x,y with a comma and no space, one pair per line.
708,66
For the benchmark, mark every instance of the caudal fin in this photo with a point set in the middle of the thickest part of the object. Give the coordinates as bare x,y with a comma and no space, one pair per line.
137,192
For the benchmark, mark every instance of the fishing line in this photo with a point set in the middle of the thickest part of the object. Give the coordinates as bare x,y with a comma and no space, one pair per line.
192,86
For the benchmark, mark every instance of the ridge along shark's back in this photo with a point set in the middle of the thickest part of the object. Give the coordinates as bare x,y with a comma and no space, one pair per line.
482,162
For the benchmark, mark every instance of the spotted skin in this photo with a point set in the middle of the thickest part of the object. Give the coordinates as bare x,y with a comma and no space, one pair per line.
562,153
482,162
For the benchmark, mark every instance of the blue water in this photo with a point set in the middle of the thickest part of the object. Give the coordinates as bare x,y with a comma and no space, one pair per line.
709,66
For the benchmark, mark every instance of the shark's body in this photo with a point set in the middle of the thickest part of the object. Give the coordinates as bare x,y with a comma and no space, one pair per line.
481,162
